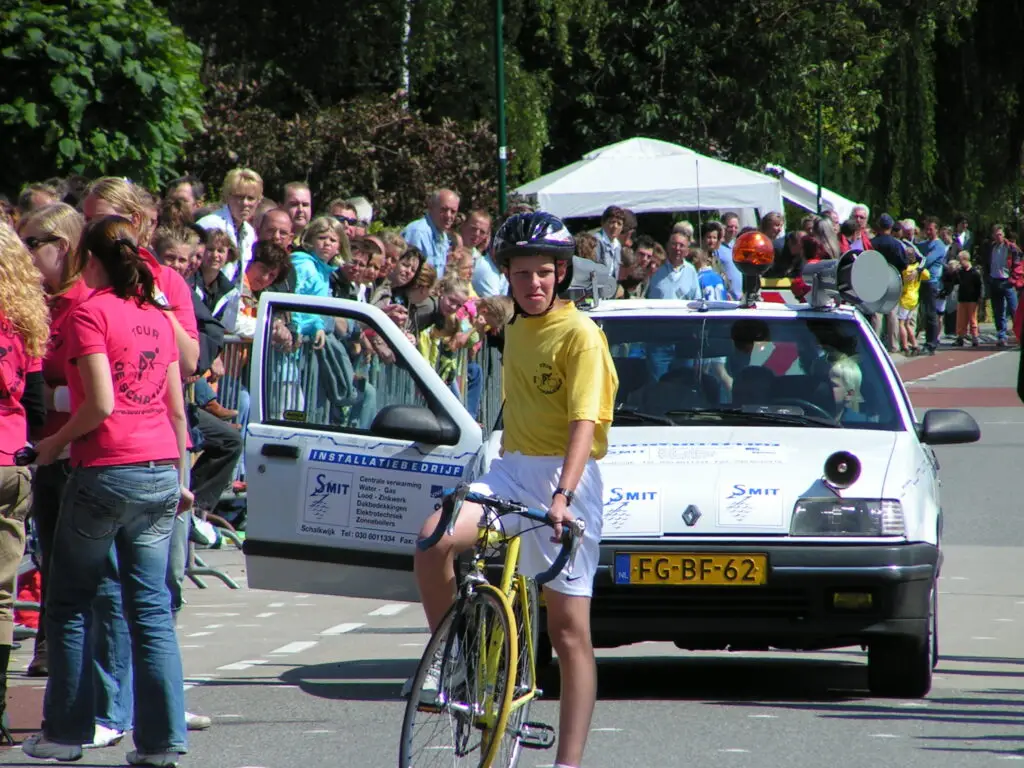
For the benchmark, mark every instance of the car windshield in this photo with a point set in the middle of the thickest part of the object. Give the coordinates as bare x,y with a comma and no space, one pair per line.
789,371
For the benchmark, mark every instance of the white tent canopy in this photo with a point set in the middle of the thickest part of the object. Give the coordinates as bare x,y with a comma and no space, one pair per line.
647,175
804,193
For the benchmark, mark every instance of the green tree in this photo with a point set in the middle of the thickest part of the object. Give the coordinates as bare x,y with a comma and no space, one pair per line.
94,87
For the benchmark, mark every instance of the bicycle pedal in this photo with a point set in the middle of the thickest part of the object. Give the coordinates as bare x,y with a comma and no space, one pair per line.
536,736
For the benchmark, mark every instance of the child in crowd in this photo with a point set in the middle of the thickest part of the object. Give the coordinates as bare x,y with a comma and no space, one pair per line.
712,286
493,313
969,294
845,377
913,275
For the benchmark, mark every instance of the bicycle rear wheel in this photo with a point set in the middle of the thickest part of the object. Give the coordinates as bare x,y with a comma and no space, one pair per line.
470,655
510,748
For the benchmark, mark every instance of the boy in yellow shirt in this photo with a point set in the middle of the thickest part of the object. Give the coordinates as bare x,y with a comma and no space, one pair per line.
906,313
560,386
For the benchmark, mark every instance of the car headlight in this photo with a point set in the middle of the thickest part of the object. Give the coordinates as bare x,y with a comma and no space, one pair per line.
847,517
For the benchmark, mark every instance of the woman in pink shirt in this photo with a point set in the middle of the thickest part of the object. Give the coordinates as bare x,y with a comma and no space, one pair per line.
127,437
23,334
52,234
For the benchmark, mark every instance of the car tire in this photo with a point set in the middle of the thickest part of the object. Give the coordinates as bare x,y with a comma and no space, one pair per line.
901,667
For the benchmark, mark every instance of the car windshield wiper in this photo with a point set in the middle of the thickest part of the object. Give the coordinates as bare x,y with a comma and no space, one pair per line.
757,413
625,413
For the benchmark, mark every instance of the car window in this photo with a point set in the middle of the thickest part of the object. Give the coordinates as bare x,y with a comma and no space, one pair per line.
821,367
341,385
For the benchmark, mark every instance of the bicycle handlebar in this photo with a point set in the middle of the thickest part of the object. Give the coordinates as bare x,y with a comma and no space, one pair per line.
451,505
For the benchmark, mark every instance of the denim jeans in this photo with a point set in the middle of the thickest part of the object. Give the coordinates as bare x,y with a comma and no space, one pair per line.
132,508
109,651
1004,302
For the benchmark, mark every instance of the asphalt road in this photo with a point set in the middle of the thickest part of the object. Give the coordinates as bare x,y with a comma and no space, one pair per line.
304,680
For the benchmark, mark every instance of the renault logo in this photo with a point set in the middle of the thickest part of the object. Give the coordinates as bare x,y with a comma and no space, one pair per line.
691,515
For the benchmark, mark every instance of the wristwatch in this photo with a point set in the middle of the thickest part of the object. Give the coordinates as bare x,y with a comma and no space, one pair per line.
569,495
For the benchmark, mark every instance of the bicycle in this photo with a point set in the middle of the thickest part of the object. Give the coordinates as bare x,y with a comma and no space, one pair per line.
489,632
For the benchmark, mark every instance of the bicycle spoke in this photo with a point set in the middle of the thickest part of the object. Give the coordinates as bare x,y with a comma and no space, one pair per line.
449,728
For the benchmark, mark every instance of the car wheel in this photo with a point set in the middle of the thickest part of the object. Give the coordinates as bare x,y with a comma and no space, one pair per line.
901,667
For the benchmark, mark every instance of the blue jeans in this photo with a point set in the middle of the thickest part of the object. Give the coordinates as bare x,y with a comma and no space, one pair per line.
108,650
132,509
1004,302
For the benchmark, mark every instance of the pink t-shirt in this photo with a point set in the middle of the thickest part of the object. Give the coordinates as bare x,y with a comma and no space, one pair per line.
177,293
56,360
15,365
139,343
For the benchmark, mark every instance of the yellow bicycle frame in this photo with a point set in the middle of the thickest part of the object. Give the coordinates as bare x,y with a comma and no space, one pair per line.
513,588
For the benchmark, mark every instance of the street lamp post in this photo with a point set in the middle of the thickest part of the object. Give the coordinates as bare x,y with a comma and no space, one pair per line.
821,158
499,82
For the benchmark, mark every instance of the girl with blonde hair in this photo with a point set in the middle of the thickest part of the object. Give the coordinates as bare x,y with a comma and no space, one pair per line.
24,331
52,234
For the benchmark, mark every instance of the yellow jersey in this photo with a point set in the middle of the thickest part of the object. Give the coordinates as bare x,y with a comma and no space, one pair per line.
556,369
912,278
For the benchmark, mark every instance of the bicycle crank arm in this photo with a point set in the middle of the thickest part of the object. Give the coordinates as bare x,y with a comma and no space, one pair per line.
536,736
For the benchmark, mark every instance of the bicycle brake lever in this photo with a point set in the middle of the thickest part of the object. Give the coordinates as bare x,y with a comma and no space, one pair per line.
577,528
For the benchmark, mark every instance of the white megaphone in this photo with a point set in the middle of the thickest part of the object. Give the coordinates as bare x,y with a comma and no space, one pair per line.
861,278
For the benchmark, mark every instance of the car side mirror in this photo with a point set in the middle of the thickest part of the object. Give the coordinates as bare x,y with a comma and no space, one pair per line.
416,423
948,426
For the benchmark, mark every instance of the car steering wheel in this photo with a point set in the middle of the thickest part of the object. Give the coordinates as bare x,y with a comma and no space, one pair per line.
806,405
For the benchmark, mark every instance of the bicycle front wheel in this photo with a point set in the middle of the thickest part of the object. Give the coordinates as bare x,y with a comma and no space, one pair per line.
463,688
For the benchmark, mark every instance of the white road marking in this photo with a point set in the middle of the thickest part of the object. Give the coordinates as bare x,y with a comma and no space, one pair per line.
958,578
605,730
319,730
982,638
186,646
199,634
1005,620
213,626
341,629
302,597
884,736
390,609
736,750
276,605
937,374
296,647
303,605
913,704
227,716
1011,757
763,717
240,665
266,615
413,645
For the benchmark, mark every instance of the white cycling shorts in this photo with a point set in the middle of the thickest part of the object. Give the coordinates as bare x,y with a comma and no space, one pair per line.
532,480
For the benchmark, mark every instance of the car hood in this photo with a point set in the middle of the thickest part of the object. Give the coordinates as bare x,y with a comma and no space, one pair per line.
727,481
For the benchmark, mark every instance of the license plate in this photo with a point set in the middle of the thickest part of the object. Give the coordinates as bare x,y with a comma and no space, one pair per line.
718,570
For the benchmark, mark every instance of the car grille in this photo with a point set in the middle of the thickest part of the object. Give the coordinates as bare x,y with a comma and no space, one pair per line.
703,602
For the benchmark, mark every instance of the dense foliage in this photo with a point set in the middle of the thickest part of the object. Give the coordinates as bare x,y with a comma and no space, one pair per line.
90,86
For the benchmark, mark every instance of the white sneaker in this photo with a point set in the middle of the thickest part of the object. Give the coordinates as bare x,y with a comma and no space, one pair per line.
196,722
104,737
41,747
431,683
157,759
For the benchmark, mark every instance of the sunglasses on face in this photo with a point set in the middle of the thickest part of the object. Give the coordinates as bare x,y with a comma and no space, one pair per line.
33,243
347,220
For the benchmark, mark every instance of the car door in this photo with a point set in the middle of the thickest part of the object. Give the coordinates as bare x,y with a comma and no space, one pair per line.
348,449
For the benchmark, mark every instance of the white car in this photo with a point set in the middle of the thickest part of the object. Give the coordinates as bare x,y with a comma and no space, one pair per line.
756,495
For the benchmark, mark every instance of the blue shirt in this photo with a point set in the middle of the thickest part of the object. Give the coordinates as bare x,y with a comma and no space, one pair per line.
433,242
732,272
934,253
712,285
609,253
488,279
674,283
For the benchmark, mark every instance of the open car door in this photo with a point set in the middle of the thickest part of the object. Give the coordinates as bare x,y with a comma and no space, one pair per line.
347,451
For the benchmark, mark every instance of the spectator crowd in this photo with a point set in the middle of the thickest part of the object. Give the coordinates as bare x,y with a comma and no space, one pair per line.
204,265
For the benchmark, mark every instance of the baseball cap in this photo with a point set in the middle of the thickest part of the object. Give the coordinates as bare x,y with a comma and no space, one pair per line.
885,221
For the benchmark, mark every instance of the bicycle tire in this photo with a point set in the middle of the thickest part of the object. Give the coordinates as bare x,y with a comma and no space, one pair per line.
465,743
511,749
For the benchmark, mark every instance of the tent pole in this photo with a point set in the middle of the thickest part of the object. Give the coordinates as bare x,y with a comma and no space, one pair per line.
499,81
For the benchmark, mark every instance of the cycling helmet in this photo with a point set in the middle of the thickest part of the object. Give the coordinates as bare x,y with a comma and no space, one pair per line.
536,232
